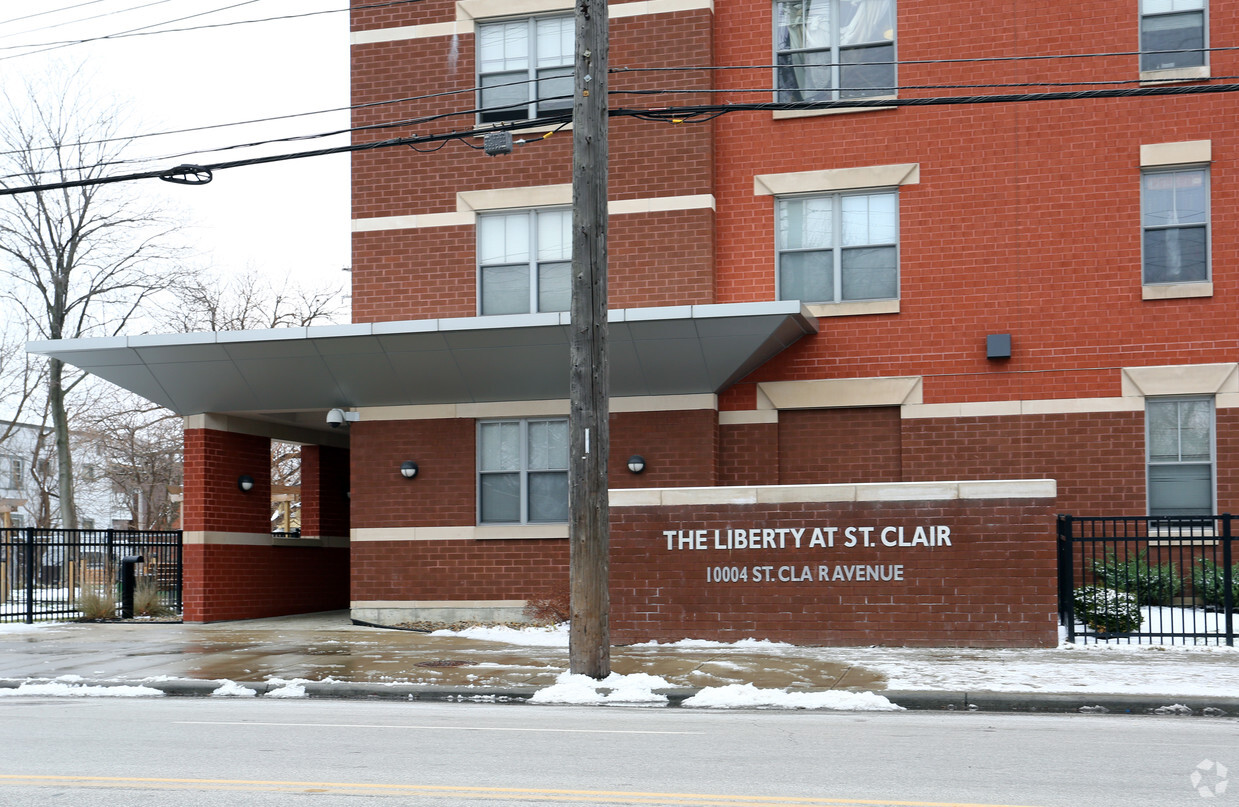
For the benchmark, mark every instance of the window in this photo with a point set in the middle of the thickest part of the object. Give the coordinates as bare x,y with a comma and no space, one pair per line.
524,261
16,470
87,524
525,68
1180,448
1172,34
522,471
17,520
831,49
1175,212
838,247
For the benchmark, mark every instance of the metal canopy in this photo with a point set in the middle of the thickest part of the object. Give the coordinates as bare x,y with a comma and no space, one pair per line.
654,351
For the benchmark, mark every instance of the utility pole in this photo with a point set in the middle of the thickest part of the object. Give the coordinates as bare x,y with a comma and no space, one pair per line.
589,643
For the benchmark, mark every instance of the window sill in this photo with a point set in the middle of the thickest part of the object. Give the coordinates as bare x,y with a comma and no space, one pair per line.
520,532
1176,291
787,114
1174,74
855,309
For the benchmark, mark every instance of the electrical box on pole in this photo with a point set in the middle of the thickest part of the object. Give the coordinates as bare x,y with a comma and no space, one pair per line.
589,648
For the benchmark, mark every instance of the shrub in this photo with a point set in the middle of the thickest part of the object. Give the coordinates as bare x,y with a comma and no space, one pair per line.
551,608
1106,610
1211,585
96,602
1152,585
146,599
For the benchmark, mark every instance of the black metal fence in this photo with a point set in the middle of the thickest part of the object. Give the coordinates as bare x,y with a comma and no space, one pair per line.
50,574
1148,580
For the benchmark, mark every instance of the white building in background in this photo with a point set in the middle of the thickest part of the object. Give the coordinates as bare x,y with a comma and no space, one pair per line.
28,479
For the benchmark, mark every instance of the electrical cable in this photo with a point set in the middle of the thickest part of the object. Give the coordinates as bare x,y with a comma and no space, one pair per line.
48,46
668,114
67,23
51,11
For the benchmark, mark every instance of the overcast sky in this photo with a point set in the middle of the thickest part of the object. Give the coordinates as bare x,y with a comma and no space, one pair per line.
289,218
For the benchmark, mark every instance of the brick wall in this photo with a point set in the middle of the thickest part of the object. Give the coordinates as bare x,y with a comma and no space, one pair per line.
213,462
1097,458
835,446
994,586
680,448
442,493
224,582
458,570
748,454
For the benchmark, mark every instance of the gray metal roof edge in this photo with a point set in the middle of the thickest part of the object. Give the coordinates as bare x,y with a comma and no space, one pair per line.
792,308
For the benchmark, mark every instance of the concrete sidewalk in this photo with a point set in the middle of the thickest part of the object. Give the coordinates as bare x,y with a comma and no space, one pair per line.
340,659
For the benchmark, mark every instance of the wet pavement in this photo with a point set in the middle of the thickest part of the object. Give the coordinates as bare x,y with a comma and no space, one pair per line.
340,659
328,647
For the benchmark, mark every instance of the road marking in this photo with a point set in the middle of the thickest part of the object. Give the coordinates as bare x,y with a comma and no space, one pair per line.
442,791
420,728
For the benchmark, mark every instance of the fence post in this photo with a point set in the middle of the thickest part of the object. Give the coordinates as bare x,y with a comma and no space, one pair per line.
1066,576
30,575
1228,580
180,571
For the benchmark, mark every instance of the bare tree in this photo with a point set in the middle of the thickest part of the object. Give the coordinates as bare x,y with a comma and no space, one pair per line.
80,261
250,302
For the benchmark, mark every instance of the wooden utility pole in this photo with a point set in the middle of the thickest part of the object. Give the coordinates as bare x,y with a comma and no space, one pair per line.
589,644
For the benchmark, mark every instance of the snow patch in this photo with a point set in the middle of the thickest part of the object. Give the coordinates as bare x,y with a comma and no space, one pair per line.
637,688
552,636
231,689
68,690
287,689
747,696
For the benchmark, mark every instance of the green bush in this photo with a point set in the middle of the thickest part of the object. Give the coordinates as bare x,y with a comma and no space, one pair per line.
1211,586
1152,585
1106,610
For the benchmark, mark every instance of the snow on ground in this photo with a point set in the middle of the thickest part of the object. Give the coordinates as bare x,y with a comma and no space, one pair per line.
62,689
287,689
22,627
747,696
628,690
231,689
552,636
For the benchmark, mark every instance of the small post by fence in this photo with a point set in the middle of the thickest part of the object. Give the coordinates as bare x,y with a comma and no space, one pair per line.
1228,581
29,575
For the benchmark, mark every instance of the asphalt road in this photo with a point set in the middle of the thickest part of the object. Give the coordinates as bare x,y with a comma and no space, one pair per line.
199,752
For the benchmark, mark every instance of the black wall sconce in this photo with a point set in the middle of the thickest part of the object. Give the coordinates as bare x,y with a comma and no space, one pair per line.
636,463
245,482
408,469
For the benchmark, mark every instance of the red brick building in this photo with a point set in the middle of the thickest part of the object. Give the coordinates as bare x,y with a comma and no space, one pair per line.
842,298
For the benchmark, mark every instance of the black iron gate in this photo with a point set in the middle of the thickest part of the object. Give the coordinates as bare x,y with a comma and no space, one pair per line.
1148,579
48,574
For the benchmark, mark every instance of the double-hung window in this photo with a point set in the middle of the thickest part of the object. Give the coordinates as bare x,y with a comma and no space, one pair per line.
1172,34
1180,456
524,68
525,261
522,471
831,49
1175,217
16,470
838,247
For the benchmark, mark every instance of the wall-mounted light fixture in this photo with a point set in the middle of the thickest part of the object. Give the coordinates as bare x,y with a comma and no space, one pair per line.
636,463
245,482
408,469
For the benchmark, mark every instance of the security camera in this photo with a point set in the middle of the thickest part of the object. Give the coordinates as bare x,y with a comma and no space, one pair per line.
338,417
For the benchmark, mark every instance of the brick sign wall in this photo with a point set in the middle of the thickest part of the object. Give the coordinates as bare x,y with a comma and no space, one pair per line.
929,564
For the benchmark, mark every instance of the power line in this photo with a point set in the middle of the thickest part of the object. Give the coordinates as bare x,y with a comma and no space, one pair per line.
682,114
85,19
48,46
50,11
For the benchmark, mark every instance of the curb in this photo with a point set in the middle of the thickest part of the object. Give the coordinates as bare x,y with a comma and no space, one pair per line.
967,702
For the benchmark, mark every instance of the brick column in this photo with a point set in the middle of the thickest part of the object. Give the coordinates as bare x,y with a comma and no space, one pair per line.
324,492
